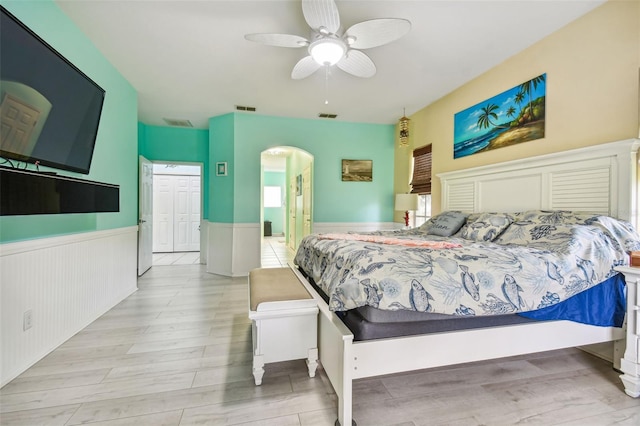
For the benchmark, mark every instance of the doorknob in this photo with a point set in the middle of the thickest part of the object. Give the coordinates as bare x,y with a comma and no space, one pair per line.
141,221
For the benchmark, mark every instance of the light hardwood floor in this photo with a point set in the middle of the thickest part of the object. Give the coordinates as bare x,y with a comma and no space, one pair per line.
178,352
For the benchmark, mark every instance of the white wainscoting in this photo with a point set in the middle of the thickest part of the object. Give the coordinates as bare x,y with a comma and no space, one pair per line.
204,241
66,282
234,248
324,227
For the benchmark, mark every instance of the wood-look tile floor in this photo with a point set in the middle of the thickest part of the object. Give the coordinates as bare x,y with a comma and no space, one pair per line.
178,352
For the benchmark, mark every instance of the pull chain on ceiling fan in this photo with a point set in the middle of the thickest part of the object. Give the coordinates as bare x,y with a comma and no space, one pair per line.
327,47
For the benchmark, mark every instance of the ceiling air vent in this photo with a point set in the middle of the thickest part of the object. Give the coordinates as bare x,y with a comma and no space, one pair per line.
177,122
245,108
323,115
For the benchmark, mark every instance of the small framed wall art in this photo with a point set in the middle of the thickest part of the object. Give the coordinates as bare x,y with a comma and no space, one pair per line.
221,168
357,170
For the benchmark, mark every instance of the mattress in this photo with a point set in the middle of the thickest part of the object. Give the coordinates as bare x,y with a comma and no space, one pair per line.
603,305
366,330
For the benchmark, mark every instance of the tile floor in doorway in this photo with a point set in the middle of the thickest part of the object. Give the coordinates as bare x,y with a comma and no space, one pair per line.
177,258
275,254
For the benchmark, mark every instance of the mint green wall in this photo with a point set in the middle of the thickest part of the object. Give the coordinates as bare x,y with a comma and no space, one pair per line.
247,135
115,156
222,191
275,214
157,143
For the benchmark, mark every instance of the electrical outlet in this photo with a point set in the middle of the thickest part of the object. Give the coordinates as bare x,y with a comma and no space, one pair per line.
27,320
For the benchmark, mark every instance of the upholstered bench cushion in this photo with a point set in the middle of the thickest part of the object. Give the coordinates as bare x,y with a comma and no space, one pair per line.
275,285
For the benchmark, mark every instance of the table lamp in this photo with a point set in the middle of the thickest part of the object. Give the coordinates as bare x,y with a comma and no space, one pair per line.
406,203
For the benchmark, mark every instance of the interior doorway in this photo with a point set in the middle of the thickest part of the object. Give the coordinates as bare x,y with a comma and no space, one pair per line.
287,217
176,213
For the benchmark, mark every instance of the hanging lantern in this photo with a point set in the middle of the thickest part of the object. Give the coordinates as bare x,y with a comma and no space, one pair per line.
404,130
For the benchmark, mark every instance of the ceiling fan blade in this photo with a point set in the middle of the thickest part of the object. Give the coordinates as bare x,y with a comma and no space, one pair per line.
377,32
357,63
321,13
304,68
279,40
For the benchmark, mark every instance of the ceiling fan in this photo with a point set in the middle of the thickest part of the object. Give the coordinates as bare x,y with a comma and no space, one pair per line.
327,46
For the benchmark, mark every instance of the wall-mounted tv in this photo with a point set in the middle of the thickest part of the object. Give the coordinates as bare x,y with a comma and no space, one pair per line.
49,109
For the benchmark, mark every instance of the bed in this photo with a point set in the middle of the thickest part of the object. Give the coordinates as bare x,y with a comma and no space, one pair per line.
599,180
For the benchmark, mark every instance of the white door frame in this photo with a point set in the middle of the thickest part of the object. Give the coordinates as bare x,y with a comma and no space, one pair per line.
145,215
201,166
203,230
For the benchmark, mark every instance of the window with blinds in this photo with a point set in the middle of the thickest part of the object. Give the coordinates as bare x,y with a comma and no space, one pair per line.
421,182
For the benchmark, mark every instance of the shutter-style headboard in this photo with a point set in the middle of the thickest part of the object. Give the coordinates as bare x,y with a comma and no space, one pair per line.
600,179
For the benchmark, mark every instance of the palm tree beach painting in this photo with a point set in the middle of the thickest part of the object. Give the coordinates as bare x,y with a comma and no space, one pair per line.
514,116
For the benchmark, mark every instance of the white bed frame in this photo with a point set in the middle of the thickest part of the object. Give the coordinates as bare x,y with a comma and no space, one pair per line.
601,178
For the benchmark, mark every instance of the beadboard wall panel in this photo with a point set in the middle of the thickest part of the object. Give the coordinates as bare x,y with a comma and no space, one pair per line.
66,283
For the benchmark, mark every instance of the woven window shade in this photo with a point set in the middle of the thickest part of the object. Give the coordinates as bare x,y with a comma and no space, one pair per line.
421,182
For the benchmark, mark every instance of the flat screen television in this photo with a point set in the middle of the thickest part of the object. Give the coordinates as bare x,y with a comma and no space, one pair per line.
49,110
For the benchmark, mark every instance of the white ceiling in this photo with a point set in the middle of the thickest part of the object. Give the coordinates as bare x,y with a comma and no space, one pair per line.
189,59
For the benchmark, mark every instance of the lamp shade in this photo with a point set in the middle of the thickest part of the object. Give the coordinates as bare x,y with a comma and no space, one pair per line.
405,202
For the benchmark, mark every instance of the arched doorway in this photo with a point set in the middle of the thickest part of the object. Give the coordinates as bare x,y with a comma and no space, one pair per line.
286,203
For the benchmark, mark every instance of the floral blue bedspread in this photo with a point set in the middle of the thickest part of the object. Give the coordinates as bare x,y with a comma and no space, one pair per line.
540,259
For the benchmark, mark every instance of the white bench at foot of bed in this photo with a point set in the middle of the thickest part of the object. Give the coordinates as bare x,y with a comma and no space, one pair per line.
284,320
630,364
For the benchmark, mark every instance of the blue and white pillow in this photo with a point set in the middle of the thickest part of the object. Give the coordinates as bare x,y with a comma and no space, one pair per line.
445,224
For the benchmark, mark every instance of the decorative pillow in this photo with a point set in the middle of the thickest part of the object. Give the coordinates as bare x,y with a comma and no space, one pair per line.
470,219
487,227
445,224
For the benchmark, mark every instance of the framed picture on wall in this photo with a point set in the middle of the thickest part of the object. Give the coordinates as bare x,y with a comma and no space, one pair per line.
299,185
221,169
357,170
514,116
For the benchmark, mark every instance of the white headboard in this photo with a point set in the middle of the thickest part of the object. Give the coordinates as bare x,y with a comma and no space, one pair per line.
600,179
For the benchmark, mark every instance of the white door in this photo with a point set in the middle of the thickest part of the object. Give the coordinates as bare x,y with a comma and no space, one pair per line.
145,216
306,201
194,214
187,214
292,213
177,213
162,214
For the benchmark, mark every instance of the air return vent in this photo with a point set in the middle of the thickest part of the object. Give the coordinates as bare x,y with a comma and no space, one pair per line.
245,108
323,115
178,122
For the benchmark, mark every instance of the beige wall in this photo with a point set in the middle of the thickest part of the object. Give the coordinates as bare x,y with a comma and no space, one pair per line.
592,68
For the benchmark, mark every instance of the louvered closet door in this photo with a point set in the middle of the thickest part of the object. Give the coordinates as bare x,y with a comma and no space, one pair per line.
162,214
187,214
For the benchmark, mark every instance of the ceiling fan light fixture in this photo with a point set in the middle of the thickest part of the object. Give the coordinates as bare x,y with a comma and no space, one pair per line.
327,51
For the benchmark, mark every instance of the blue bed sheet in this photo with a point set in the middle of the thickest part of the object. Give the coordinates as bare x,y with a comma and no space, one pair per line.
607,300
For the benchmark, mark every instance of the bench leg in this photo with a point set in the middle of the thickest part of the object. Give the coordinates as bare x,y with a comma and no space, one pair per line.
312,361
258,368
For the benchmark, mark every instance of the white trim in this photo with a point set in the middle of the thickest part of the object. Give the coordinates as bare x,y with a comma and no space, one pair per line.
16,247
